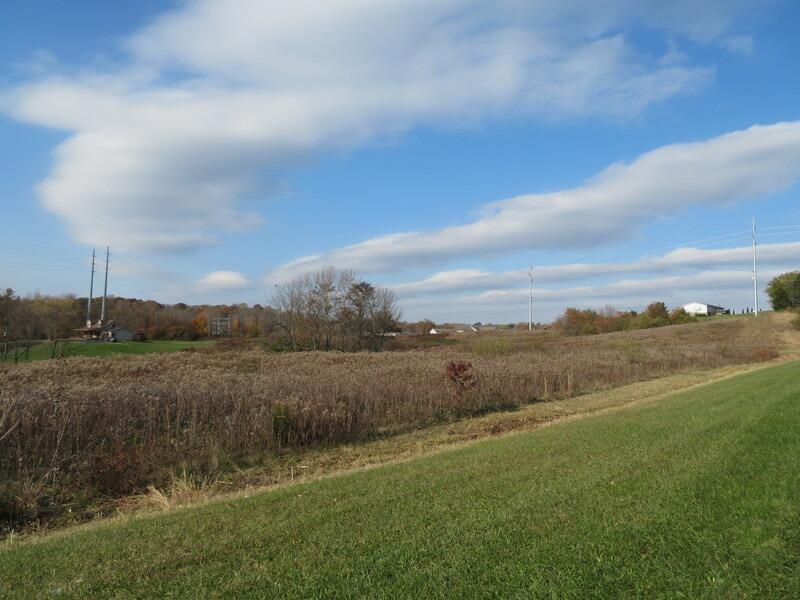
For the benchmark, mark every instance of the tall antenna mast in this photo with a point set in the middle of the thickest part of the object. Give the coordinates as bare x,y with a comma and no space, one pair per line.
91,291
105,289
755,270
530,299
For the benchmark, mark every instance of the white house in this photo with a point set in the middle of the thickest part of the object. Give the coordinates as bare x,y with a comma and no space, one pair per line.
699,308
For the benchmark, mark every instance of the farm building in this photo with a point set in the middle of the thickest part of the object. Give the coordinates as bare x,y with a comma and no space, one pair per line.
456,329
110,331
699,308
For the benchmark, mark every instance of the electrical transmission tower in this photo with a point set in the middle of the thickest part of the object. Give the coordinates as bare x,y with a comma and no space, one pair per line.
755,271
105,288
91,291
530,299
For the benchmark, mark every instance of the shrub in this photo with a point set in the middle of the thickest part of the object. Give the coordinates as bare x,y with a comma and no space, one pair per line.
679,315
461,377
278,344
578,322
492,346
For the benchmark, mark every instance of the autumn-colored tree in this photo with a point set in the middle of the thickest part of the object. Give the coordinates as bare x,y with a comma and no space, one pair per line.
200,325
679,315
578,322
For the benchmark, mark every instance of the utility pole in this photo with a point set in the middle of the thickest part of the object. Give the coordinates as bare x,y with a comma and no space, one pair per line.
530,299
755,270
105,289
91,291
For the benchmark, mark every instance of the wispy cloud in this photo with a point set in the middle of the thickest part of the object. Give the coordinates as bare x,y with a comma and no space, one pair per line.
721,276
681,260
742,165
729,288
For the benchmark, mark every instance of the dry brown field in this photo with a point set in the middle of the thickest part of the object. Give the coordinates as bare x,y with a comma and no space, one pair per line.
78,433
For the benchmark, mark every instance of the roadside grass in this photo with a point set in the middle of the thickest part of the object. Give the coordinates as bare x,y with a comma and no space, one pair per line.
42,350
690,495
309,464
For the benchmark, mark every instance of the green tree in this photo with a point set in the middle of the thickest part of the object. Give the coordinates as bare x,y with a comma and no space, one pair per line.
784,291
657,311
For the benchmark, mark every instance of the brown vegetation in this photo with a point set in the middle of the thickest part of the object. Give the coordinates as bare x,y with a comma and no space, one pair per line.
590,322
76,431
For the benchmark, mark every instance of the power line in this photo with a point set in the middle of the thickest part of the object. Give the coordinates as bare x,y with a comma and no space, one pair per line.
707,243
781,234
779,227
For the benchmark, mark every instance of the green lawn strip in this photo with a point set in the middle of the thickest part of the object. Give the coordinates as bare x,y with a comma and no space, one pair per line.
43,350
694,495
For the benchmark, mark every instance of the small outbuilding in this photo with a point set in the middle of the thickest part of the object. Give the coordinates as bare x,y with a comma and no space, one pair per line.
117,334
110,331
702,309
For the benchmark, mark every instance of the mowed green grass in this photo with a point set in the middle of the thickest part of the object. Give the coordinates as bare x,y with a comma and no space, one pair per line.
42,351
694,495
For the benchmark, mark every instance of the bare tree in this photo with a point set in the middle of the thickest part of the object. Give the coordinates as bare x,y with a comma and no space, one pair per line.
330,309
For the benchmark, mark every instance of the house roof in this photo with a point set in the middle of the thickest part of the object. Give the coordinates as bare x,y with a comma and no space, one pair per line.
100,327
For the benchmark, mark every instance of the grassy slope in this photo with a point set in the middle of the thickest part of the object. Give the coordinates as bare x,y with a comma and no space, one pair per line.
693,495
42,351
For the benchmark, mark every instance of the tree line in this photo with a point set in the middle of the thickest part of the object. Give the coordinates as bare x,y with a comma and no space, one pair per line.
325,310
575,321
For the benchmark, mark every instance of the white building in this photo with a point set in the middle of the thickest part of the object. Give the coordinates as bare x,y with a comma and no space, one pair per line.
699,308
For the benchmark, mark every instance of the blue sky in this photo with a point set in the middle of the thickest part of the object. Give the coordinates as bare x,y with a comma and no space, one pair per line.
435,147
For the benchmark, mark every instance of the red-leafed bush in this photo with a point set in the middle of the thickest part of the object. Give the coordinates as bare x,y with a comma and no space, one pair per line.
461,377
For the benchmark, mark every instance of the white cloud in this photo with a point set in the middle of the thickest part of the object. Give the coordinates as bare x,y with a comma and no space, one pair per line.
622,292
771,256
223,281
163,150
720,276
737,166
729,288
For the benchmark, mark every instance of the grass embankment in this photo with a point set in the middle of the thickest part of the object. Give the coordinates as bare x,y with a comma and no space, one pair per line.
44,350
695,494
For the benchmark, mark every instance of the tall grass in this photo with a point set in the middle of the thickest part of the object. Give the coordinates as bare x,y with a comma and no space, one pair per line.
80,429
